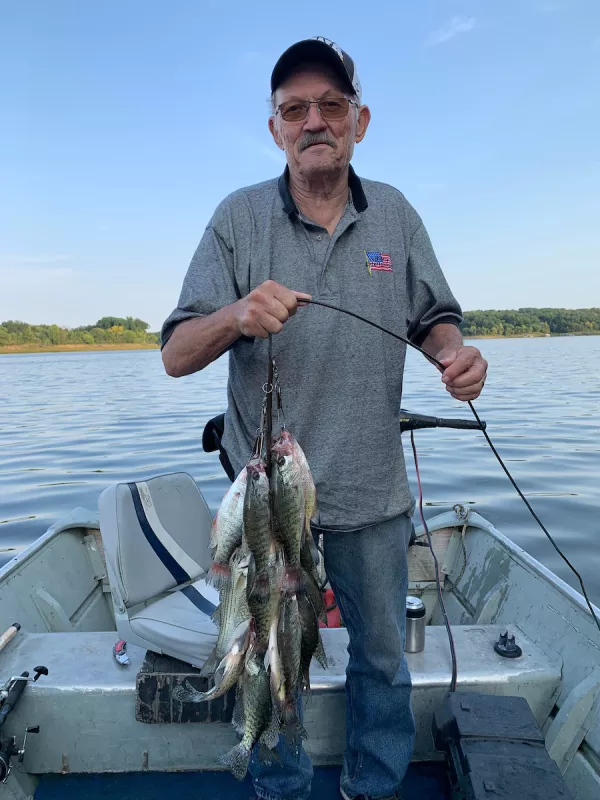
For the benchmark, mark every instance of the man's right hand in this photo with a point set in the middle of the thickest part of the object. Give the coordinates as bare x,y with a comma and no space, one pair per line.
266,308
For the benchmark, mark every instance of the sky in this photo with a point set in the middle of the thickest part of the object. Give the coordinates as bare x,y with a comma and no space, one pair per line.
124,123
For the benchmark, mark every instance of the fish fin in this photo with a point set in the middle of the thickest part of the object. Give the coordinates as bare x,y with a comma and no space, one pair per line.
210,665
217,614
292,728
237,760
267,755
292,581
304,679
320,654
185,693
260,587
270,736
219,575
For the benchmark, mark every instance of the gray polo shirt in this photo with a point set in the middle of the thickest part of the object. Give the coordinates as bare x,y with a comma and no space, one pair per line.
341,379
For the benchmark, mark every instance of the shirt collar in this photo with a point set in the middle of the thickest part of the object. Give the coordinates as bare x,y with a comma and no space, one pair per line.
356,189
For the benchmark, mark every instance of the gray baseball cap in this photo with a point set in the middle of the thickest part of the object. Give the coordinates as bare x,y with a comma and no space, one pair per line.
321,50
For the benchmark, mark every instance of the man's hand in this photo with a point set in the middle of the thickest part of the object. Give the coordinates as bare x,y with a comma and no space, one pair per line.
465,372
266,308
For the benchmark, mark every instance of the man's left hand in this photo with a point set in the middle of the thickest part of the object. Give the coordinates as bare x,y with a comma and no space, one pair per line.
465,371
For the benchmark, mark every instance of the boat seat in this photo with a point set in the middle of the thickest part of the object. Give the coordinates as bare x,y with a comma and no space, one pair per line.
156,536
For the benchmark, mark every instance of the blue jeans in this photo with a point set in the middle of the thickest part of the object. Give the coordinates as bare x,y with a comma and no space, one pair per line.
368,573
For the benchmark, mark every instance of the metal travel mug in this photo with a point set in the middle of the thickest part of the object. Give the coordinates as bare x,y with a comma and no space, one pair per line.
415,625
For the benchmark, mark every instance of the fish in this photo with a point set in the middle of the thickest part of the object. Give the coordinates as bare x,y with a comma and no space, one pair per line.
228,672
311,645
227,530
232,611
259,724
315,595
309,555
264,604
290,644
287,441
257,526
289,511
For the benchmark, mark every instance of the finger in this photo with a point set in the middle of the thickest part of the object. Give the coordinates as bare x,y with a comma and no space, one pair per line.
300,296
461,363
288,297
269,323
472,376
467,393
262,300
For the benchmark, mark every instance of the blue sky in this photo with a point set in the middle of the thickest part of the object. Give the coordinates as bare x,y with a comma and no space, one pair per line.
123,124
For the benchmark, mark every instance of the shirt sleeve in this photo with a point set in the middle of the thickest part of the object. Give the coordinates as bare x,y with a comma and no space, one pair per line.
430,301
210,280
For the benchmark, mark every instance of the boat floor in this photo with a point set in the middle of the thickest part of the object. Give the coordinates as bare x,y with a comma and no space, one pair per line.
422,780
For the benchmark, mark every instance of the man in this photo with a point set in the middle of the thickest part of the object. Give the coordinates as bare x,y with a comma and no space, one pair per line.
321,232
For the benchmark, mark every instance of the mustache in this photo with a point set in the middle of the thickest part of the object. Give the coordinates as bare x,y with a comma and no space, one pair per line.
314,138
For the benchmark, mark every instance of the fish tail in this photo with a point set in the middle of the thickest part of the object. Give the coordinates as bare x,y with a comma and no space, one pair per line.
187,694
320,655
219,575
210,665
237,760
291,725
292,581
304,679
267,755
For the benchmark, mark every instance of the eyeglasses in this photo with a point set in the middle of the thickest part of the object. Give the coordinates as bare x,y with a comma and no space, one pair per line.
330,108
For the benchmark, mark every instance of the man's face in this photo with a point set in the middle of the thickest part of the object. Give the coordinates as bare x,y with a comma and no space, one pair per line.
316,146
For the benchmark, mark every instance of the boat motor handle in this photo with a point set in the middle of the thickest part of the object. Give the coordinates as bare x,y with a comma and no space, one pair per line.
15,691
412,422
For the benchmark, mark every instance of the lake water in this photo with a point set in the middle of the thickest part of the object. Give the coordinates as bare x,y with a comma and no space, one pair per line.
73,423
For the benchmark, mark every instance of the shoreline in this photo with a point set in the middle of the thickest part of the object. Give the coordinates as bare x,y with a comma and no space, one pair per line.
72,348
90,348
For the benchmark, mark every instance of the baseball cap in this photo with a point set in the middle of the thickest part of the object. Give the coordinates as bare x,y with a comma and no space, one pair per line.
322,50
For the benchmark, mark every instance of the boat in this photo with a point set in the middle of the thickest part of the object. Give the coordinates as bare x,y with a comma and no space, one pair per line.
101,718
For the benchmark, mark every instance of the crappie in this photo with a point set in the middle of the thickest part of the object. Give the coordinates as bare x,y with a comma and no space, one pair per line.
311,640
227,528
258,717
228,672
257,525
290,644
264,604
315,595
288,443
232,610
289,509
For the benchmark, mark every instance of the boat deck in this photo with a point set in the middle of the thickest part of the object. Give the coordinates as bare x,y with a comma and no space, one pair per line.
422,780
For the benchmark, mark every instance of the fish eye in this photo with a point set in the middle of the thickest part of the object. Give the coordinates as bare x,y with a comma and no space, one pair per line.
281,461
255,476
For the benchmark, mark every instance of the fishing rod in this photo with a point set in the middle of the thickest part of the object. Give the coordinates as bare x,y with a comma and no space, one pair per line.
482,428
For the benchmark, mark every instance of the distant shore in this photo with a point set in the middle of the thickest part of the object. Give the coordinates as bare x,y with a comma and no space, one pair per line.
72,348
84,348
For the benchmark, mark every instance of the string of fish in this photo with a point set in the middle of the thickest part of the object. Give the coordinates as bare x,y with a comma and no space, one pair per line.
265,566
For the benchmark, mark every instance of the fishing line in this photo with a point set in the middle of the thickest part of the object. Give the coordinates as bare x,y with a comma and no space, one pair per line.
489,441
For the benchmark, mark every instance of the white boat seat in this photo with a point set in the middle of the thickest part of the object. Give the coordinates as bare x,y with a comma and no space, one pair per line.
156,536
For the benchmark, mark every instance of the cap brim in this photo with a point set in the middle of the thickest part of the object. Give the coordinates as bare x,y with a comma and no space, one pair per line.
309,50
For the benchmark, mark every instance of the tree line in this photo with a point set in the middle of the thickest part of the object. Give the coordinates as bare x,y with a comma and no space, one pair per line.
531,320
119,330
108,330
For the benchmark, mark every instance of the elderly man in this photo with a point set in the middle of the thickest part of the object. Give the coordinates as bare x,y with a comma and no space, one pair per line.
319,231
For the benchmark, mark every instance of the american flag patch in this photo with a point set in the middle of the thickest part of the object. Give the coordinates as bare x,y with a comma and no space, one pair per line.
378,261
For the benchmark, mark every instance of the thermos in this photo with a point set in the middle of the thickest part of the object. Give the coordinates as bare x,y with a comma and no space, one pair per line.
415,625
